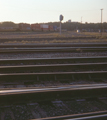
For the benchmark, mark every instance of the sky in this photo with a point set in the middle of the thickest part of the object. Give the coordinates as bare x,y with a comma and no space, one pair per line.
42,11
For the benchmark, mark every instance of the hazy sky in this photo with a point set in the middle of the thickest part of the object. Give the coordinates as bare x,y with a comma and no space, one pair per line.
36,11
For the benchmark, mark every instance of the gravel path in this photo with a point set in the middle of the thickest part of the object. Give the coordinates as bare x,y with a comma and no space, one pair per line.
51,55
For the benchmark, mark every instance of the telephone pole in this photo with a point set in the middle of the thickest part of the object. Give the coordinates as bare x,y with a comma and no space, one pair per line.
60,27
81,24
101,21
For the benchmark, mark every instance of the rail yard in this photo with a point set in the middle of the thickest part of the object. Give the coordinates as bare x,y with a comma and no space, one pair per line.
47,81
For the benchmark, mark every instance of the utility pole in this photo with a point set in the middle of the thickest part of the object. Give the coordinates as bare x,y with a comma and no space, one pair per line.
101,21
81,24
60,27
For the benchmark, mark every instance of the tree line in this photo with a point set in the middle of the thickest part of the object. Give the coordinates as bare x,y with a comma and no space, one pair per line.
8,24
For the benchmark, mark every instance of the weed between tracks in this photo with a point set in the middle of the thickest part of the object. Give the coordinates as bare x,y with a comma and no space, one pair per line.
54,36
55,41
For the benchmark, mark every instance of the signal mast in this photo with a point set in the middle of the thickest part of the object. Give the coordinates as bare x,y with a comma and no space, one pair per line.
60,18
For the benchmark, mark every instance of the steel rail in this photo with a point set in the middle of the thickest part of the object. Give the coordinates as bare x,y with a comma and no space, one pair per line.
64,49
53,89
54,73
95,117
44,76
91,115
53,65
56,58
52,48
92,91
54,45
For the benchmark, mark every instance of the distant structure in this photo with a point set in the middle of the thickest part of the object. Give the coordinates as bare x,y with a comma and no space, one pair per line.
27,27
75,22
78,31
69,21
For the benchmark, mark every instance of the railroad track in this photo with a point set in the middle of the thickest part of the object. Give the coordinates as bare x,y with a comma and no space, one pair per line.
37,103
65,49
60,90
54,67
85,116
31,78
37,45
57,60
53,48
26,75
25,93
